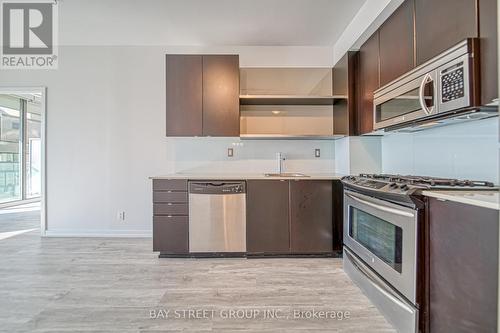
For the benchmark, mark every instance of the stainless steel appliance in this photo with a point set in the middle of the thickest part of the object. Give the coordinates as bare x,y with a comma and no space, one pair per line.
217,217
383,217
443,90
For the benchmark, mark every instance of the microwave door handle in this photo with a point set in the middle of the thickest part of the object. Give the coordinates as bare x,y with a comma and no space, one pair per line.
421,93
380,207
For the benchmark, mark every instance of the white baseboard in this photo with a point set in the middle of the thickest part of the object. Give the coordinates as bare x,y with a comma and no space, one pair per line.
98,233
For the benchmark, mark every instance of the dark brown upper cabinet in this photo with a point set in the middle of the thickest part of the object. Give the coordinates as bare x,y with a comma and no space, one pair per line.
440,24
344,77
488,44
396,43
221,90
369,81
463,267
184,95
311,216
267,217
202,94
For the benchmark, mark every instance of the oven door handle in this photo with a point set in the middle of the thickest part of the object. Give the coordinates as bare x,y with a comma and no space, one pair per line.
421,94
380,207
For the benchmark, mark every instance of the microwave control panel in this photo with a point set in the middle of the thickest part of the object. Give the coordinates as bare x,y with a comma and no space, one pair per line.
452,82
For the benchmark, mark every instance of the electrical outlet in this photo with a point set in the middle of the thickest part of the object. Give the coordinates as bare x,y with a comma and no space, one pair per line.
230,152
317,152
121,216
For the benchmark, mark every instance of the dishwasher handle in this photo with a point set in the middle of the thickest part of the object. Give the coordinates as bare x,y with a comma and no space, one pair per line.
217,187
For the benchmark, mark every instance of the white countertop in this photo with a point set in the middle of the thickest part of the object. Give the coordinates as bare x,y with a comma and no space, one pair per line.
486,199
244,176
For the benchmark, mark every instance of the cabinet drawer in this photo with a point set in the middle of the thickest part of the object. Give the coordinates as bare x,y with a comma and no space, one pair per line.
170,209
171,219
170,196
170,184
171,234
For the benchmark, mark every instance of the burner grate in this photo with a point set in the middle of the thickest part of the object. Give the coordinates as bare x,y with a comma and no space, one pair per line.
429,181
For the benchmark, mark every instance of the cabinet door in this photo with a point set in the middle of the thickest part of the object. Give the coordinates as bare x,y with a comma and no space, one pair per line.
267,216
368,82
440,24
396,43
221,89
463,267
184,95
171,234
489,50
311,216
344,84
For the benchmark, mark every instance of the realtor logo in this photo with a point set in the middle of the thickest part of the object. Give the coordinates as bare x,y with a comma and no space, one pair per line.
29,34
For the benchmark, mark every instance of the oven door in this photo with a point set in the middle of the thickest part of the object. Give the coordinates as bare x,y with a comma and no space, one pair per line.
409,101
384,236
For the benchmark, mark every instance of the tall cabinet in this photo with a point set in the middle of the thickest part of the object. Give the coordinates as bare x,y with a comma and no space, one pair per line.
369,81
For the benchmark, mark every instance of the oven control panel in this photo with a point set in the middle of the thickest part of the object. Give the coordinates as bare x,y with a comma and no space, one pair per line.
452,82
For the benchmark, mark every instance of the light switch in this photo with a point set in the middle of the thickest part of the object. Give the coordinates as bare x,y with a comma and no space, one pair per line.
317,152
229,152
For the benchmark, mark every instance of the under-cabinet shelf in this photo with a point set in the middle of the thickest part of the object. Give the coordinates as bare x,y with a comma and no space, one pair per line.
288,100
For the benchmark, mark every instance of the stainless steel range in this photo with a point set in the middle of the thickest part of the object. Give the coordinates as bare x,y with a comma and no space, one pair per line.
383,217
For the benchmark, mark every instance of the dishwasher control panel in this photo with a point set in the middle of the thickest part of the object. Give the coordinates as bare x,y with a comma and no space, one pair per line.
217,187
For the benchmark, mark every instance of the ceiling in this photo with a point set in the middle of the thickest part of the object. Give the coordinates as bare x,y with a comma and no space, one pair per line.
205,22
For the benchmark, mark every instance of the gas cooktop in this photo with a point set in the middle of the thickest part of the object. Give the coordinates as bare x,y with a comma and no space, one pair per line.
402,188
428,182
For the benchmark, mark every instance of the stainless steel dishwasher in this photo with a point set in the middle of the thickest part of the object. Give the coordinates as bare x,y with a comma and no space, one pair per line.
217,216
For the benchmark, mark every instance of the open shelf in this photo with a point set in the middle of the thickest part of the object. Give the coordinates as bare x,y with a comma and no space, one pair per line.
288,137
288,100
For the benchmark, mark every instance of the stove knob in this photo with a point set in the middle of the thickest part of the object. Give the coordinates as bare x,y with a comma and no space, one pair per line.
393,185
404,187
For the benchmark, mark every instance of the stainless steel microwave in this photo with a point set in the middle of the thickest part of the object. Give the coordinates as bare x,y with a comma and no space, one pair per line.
444,88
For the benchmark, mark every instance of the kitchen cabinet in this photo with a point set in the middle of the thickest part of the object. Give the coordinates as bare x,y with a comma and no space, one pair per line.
396,43
289,217
170,217
184,95
369,81
488,44
202,95
440,24
463,267
221,95
311,216
344,84
267,216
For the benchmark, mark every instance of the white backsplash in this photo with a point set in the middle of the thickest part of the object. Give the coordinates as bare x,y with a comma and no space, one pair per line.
466,151
209,155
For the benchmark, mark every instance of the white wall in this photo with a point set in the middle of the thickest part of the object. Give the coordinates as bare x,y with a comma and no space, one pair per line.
358,154
465,151
106,132
202,155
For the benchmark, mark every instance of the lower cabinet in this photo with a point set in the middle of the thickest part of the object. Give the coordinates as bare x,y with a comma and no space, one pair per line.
289,216
463,267
267,216
170,216
170,234
311,216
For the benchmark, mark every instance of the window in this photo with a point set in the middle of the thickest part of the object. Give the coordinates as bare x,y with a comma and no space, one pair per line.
20,147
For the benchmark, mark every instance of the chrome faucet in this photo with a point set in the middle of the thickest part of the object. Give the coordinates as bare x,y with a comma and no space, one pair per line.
280,157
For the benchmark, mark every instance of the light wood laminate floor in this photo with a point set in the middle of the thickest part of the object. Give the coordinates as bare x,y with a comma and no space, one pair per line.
106,284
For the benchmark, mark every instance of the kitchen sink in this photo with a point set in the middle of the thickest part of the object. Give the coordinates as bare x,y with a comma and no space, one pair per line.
285,174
